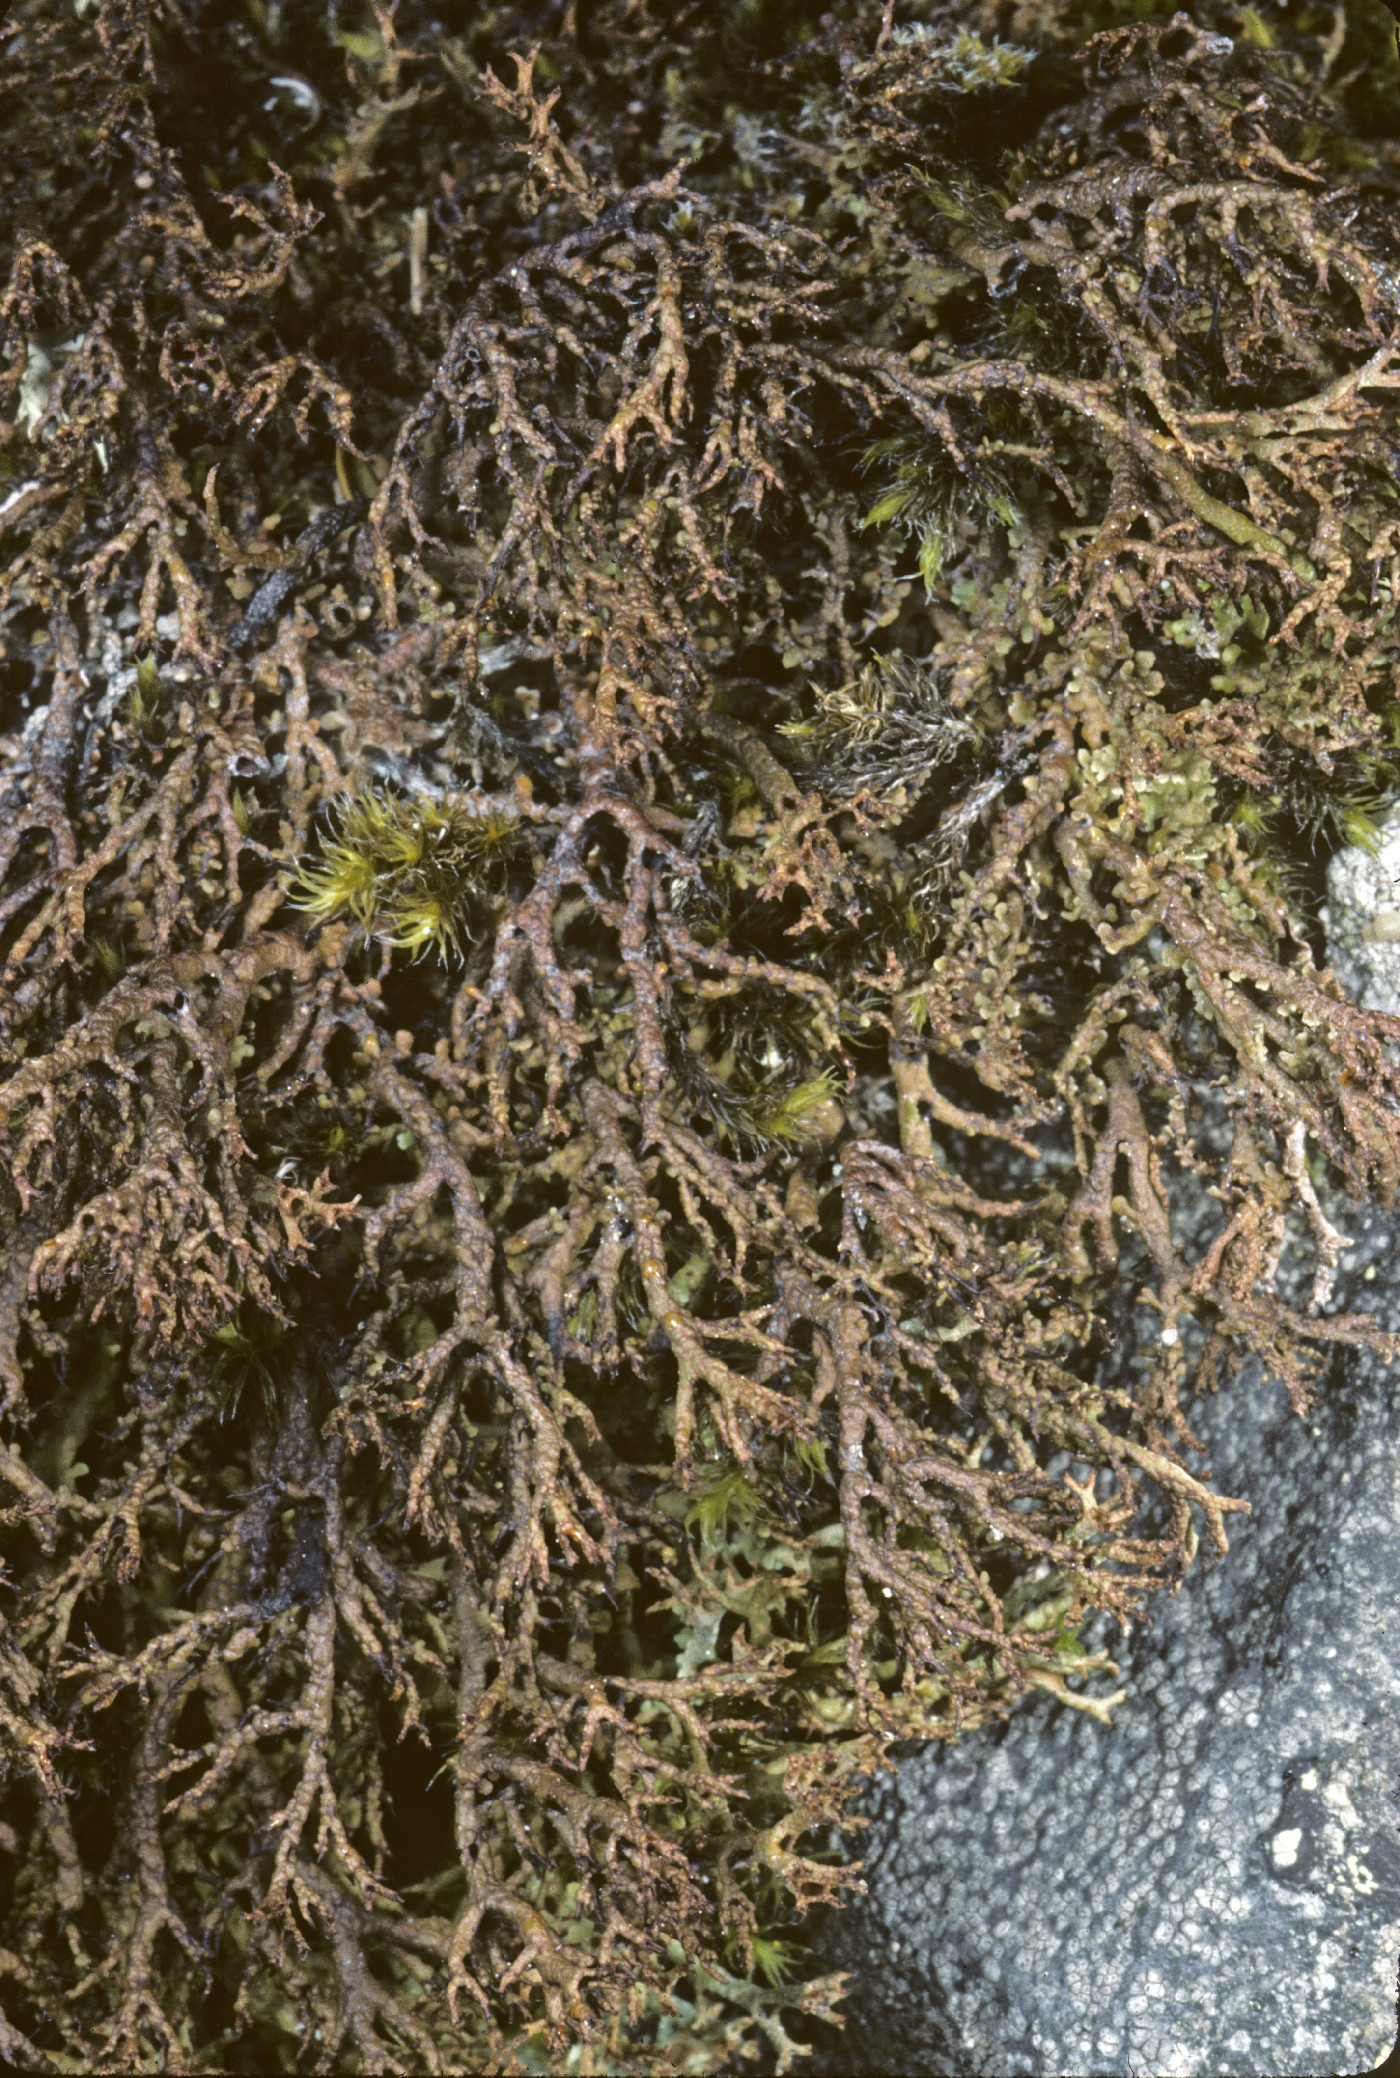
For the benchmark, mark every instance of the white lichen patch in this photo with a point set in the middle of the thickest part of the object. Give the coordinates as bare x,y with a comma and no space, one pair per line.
1286,1845
1362,920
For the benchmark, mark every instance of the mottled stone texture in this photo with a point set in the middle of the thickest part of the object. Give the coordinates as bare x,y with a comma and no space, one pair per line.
1214,1885
1363,920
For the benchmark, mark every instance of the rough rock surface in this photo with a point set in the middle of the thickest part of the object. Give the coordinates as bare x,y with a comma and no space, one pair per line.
1213,1886
1363,921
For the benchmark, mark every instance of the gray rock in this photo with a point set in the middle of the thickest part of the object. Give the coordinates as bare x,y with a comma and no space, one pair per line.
1213,1885
1362,919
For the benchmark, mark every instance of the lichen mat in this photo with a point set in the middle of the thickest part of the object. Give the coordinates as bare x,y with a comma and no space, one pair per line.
668,677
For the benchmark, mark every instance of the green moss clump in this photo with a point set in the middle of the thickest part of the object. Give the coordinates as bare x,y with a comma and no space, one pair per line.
415,869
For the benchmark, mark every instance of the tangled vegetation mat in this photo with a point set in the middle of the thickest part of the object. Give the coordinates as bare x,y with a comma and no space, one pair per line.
672,674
